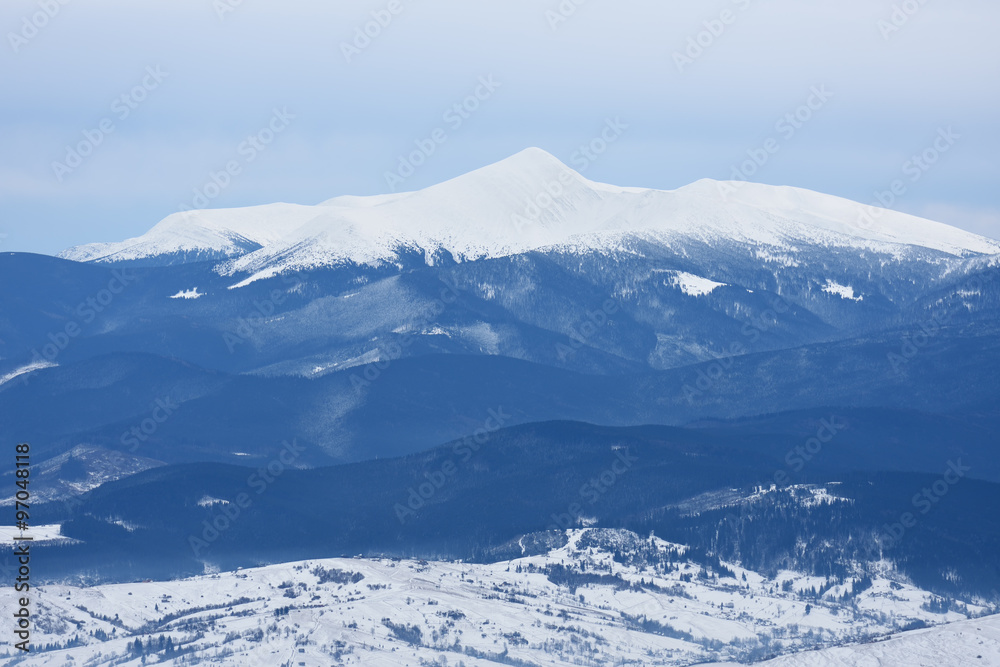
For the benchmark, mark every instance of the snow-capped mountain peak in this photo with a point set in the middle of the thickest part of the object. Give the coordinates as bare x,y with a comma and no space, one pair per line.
202,234
528,201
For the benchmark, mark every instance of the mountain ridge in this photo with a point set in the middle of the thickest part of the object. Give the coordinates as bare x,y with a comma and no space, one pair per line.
529,201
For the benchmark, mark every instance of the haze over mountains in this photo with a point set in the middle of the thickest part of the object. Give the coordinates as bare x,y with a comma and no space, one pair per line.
454,373
373,326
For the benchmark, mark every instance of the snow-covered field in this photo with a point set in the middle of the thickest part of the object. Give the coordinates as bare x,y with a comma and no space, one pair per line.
961,644
572,605
39,534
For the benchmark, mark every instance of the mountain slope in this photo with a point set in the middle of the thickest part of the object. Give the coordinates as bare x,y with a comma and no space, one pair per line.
402,405
474,497
201,235
971,642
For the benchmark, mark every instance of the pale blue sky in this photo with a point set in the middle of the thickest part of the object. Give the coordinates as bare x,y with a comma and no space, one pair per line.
558,84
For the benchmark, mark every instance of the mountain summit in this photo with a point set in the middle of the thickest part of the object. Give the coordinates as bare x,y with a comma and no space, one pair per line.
526,202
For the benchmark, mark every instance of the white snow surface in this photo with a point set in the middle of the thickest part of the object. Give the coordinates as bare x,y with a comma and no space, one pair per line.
38,534
209,501
17,372
211,230
843,291
960,644
369,612
693,285
528,201
192,293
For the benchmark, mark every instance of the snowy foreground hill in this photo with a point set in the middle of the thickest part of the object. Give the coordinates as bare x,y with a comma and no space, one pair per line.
588,597
974,642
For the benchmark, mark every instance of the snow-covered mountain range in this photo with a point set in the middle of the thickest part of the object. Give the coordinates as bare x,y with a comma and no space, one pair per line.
529,201
524,260
557,324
